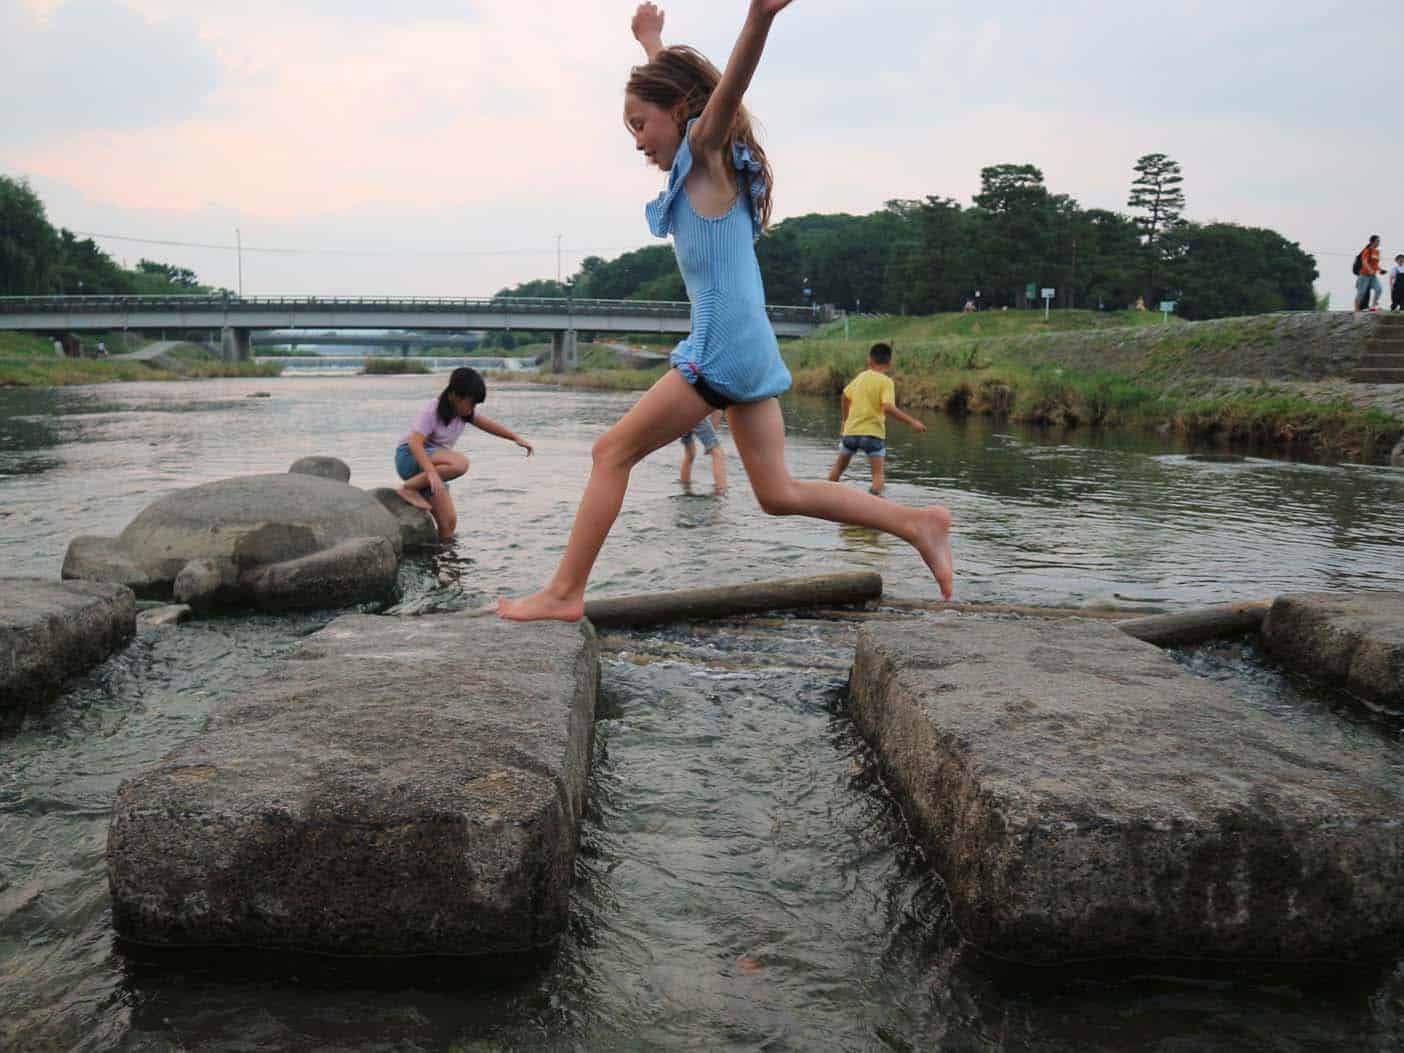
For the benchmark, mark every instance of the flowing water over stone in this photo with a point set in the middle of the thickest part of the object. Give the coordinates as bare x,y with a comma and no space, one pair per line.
744,877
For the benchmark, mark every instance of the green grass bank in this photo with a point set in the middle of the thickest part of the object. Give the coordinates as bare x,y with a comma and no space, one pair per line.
29,361
1235,381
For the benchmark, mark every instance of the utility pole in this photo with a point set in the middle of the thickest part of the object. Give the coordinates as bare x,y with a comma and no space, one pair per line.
239,248
558,259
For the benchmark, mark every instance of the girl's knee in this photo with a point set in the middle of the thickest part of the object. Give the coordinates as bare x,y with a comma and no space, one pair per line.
453,465
612,451
779,499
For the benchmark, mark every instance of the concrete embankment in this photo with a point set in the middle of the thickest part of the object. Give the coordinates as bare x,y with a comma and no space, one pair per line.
52,630
1084,797
398,786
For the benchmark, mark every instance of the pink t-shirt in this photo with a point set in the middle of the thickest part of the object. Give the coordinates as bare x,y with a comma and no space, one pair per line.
435,431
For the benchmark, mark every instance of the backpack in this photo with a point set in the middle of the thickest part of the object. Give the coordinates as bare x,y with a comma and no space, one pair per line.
1359,262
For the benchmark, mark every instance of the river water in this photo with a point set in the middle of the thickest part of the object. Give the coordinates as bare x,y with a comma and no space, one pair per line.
744,880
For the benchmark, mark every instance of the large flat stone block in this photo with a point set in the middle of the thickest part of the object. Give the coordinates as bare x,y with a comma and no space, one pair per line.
397,786
1084,797
1353,639
52,630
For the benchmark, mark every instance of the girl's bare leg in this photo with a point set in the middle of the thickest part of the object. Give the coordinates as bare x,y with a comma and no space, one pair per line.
685,469
667,410
719,470
412,496
879,469
840,466
450,465
445,515
759,431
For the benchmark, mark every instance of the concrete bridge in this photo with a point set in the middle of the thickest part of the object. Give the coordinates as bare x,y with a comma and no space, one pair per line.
239,317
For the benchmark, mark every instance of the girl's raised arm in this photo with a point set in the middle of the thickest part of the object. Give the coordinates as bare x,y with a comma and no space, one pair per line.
713,129
647,25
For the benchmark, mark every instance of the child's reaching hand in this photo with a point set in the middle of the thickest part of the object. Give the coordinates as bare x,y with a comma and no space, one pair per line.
769,8
647,25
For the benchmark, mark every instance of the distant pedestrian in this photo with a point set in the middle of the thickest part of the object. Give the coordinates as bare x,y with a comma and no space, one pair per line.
1396,284
425,458
868,401
102,349
1368,289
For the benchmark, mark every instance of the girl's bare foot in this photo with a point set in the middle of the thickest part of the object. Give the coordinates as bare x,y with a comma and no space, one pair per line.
413,498
540,607
933,541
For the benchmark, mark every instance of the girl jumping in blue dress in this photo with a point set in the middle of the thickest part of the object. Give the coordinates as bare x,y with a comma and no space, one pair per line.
687,118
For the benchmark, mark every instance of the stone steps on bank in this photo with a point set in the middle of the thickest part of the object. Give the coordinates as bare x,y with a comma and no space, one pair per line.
1377,376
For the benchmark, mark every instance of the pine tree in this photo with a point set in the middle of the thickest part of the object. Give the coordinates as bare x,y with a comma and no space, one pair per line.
1156,192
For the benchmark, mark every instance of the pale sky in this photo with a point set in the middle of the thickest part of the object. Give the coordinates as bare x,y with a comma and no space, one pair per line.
440,147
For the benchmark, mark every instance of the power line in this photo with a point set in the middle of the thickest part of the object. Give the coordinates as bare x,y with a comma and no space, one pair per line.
352,252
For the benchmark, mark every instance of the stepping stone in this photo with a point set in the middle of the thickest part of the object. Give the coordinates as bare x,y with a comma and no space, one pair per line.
50,631
1084,797
397,786
1354,640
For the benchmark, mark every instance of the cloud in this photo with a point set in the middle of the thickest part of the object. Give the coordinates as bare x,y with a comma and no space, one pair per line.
434,125
67,68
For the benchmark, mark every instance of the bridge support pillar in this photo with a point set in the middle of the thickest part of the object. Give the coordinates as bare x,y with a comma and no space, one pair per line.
236,344
565,351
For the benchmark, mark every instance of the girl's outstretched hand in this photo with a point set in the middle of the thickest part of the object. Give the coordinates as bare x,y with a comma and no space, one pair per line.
769,8
525,445
647,23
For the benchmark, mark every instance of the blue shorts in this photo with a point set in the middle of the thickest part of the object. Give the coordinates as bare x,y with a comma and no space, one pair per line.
869,444
703,433
407,467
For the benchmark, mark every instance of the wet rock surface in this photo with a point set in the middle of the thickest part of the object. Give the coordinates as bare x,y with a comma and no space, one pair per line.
417,529
51,630
1353,640
323,467
270,542
397,786
1083,797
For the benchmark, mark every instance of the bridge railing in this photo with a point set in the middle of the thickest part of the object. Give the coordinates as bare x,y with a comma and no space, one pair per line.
235,305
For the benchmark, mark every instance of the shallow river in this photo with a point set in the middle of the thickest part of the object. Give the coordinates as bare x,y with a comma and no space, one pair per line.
744,879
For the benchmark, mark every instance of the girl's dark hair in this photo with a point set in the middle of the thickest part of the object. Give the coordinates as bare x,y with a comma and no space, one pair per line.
681,78
466,384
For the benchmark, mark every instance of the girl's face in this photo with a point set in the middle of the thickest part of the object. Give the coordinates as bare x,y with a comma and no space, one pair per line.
655,130
463,405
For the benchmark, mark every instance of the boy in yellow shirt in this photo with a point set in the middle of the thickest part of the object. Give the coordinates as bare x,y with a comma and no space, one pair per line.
868,401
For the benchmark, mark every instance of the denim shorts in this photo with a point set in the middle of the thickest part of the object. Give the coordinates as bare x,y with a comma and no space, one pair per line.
869,444
704,433
407,467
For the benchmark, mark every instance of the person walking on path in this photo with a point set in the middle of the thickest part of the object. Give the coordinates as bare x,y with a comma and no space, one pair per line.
1368,289
868,401
1396,284
425,458
705,434
688,119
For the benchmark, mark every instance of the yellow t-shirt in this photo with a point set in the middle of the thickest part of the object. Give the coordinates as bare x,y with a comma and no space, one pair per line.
867,393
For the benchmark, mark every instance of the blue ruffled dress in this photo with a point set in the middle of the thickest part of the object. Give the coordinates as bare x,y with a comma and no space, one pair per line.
732,345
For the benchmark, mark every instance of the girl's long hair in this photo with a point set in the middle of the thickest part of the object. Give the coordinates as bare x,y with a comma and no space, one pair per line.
466,384
682,78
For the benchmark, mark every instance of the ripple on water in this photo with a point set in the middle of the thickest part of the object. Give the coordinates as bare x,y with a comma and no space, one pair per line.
743,878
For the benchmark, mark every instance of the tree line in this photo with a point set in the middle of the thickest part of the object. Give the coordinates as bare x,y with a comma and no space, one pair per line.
933,254
36,259
913,256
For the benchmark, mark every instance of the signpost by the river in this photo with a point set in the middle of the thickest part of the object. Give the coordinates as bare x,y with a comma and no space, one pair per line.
1167,308
1048,295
